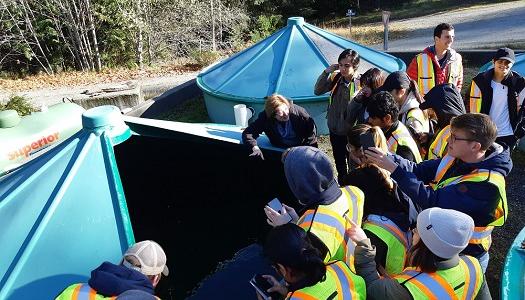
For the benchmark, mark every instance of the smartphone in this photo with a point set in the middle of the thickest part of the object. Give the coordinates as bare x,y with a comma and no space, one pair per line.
262,285
276,205
367,140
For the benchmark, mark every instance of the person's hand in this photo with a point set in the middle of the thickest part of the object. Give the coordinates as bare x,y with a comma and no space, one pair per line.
276,285
378,157
256,151
292,213
422,137
366,91
274,218
331,68
355,233
357,159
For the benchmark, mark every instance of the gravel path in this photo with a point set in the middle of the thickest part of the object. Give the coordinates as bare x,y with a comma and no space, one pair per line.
479,26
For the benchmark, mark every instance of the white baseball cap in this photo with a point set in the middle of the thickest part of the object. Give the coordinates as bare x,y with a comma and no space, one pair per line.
151,257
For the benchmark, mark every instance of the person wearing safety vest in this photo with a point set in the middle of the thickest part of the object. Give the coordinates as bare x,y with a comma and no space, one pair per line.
435,269
470,178
291,251
324,204
383,112
405,92
499,93
439,63
446,102
389,213
139,272
341,81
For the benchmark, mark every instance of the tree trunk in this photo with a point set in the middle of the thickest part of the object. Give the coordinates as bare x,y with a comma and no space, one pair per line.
91,29
139,43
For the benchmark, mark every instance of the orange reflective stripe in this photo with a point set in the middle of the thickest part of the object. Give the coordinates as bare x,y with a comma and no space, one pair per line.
419,285
300,295
475,98
419,72
76,291
445,163
92,294
351,284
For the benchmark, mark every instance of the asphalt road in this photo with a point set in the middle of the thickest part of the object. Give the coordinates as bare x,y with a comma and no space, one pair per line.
488,26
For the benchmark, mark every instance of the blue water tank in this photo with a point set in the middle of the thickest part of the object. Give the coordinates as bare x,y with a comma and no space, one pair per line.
64,212
287,62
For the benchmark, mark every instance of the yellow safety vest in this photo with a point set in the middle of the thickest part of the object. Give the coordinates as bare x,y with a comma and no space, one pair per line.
475,98
82,291
460,282
426,78
397,241
329,224
439,146
401,136
340,283
481,235
419,115
351,88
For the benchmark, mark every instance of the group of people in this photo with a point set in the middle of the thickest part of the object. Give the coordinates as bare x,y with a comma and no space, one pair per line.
420,183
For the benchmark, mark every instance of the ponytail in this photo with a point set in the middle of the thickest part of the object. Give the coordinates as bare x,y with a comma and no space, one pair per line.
415,90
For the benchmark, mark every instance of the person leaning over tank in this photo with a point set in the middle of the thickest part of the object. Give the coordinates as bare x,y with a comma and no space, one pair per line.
499,93
139,272
435,269
284,123
306,276
341,81
439,63
470,178
324,204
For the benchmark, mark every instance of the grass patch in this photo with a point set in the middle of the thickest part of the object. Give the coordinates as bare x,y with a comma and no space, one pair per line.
369,34
190,111
20,104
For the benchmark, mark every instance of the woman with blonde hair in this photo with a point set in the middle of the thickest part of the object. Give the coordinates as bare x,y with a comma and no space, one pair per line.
388,213
284,123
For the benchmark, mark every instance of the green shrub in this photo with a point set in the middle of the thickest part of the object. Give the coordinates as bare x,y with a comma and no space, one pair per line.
20,104
204,58
265,26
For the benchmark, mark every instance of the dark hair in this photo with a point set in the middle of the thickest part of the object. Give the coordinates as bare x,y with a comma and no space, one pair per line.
372,78
352,55
443,26
382,104
421,257
479,127
290,246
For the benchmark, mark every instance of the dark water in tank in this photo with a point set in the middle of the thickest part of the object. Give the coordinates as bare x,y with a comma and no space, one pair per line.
200,199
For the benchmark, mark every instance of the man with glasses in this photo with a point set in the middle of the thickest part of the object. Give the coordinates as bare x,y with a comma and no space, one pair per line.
470,178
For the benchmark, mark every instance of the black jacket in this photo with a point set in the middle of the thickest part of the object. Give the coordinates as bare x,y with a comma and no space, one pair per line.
514,82
302,124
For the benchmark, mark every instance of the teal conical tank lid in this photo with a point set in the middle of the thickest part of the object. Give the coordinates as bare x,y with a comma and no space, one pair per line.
287,62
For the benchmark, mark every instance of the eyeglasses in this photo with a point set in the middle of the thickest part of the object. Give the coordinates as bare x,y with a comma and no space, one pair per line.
454,138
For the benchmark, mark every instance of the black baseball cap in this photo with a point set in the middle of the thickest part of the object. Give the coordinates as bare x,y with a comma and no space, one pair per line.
395,81
506,54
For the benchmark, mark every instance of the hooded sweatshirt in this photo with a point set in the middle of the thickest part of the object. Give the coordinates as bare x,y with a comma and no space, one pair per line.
418,125
477,199
112,280
310,176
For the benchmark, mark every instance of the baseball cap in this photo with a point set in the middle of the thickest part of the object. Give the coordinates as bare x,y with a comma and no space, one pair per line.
395,81
151,257
505,53
445,232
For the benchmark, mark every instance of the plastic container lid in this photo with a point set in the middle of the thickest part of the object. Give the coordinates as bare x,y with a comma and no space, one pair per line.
9,118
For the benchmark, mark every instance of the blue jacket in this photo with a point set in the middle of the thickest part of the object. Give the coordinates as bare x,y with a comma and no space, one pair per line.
112,280
477,199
